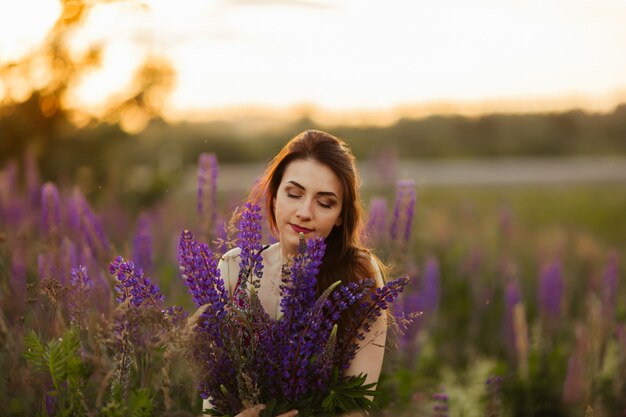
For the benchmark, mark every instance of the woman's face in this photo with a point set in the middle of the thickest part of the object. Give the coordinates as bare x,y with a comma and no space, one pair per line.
308,200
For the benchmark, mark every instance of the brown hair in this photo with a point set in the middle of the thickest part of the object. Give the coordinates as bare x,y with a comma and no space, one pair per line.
346,259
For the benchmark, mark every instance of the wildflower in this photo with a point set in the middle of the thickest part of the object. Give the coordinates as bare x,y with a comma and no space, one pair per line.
376,225
17,282
551,290
512,297
50,214
142,244
610,277
87,224
430,286
33,181
440,408
249,240
200,273
493,385
80,285
133,285
404,207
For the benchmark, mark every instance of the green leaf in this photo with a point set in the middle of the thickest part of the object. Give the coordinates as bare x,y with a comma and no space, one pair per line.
140,403
56,361
34,352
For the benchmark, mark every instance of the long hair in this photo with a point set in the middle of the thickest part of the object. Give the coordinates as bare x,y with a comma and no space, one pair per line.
346,258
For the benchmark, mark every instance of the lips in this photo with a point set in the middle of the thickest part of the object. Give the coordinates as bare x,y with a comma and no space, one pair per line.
299,229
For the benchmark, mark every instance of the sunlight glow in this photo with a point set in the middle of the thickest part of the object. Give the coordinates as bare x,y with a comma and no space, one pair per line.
345,56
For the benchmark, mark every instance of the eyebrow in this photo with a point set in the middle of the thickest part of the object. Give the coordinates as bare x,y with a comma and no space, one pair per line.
328,193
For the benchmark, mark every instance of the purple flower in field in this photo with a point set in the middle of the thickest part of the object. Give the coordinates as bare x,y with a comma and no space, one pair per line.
201,275
31,174
494,386
249,240
17,284
133,285
207,191
87,224
81,286
610,279
512,296
47,266
377,223
431,286
551,289
575,380
440,406
142,244
404,208
50,214
300,292
367,312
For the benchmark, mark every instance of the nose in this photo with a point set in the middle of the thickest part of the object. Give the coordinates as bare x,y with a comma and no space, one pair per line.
304,210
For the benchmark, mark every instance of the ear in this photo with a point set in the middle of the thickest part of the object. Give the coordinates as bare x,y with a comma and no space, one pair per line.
339,221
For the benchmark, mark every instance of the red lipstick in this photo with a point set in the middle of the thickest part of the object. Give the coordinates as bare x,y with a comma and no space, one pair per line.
299,229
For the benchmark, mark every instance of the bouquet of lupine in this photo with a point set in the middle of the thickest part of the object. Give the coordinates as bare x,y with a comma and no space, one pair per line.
244,357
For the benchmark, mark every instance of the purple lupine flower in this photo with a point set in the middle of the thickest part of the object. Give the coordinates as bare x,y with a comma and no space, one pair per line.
133,285
493,387
431,287
33,182
79,279
367,312
207,191
299,294
249,240
512,297
80,285
50,214
440,406
404,207
575,379
17,283
551,289
610,277
377,222
201,275
87,224
47,266
410,302
142,244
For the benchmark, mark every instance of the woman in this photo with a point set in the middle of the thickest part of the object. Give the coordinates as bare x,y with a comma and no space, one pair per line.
311,187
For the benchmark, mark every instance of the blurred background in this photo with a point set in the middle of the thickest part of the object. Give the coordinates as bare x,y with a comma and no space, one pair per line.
507,119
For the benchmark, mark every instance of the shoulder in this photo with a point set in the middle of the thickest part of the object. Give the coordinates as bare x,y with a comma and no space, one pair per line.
371,267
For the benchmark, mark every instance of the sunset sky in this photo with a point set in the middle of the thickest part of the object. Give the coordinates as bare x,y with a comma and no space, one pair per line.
349,55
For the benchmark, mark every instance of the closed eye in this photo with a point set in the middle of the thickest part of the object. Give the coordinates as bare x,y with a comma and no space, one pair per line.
293,195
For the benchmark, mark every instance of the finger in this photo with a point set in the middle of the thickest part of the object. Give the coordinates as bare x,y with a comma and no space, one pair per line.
291,413
254,411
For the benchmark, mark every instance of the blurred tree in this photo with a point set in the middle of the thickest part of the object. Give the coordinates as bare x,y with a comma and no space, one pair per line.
35,113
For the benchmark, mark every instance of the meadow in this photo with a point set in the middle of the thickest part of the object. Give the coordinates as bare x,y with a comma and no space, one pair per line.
519,289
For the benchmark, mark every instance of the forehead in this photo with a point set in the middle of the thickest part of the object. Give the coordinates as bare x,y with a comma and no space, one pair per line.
313,175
